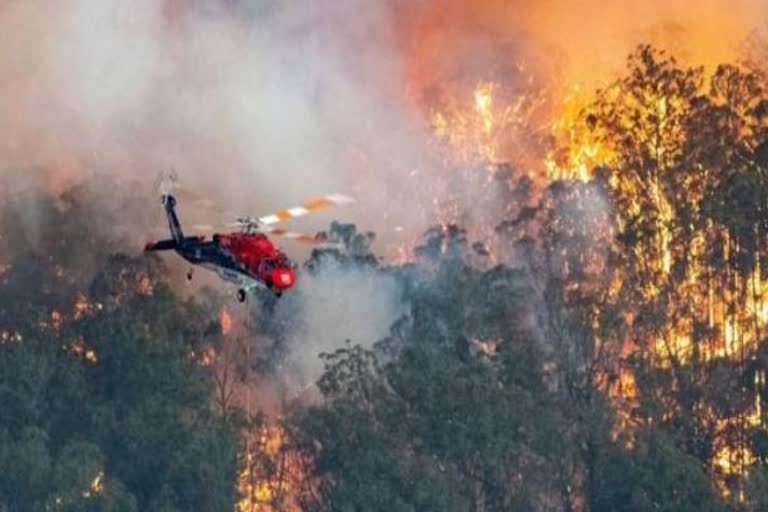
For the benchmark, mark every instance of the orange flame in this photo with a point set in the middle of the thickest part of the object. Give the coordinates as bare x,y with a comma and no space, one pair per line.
225,321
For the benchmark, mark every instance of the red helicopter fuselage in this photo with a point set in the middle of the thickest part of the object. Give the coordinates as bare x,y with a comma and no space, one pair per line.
256,256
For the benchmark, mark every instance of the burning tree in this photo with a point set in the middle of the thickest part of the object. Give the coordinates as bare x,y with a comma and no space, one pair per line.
689,265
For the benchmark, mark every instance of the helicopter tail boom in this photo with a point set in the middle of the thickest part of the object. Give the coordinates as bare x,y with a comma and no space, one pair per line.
169,202
161,245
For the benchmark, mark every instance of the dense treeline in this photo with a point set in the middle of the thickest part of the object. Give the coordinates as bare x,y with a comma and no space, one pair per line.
603,352
468,406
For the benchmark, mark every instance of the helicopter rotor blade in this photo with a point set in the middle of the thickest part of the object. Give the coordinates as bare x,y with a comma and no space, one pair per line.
310,206
168,182
299,237
203,227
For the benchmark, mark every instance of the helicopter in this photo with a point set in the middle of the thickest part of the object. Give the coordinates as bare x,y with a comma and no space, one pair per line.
247,258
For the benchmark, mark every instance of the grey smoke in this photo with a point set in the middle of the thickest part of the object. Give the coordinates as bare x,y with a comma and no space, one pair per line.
330,308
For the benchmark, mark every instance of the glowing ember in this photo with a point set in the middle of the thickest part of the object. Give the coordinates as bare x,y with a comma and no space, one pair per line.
225,321
83,306
208,357
7,337
145,286
56,320
97,486
80,348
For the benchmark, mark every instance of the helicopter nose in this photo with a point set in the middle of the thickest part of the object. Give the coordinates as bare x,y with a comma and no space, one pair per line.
283,278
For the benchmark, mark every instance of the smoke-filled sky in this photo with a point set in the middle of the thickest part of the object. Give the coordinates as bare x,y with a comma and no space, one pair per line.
260,104
263,106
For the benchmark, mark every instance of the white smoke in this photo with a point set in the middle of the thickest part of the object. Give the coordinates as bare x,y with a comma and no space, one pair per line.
333,307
